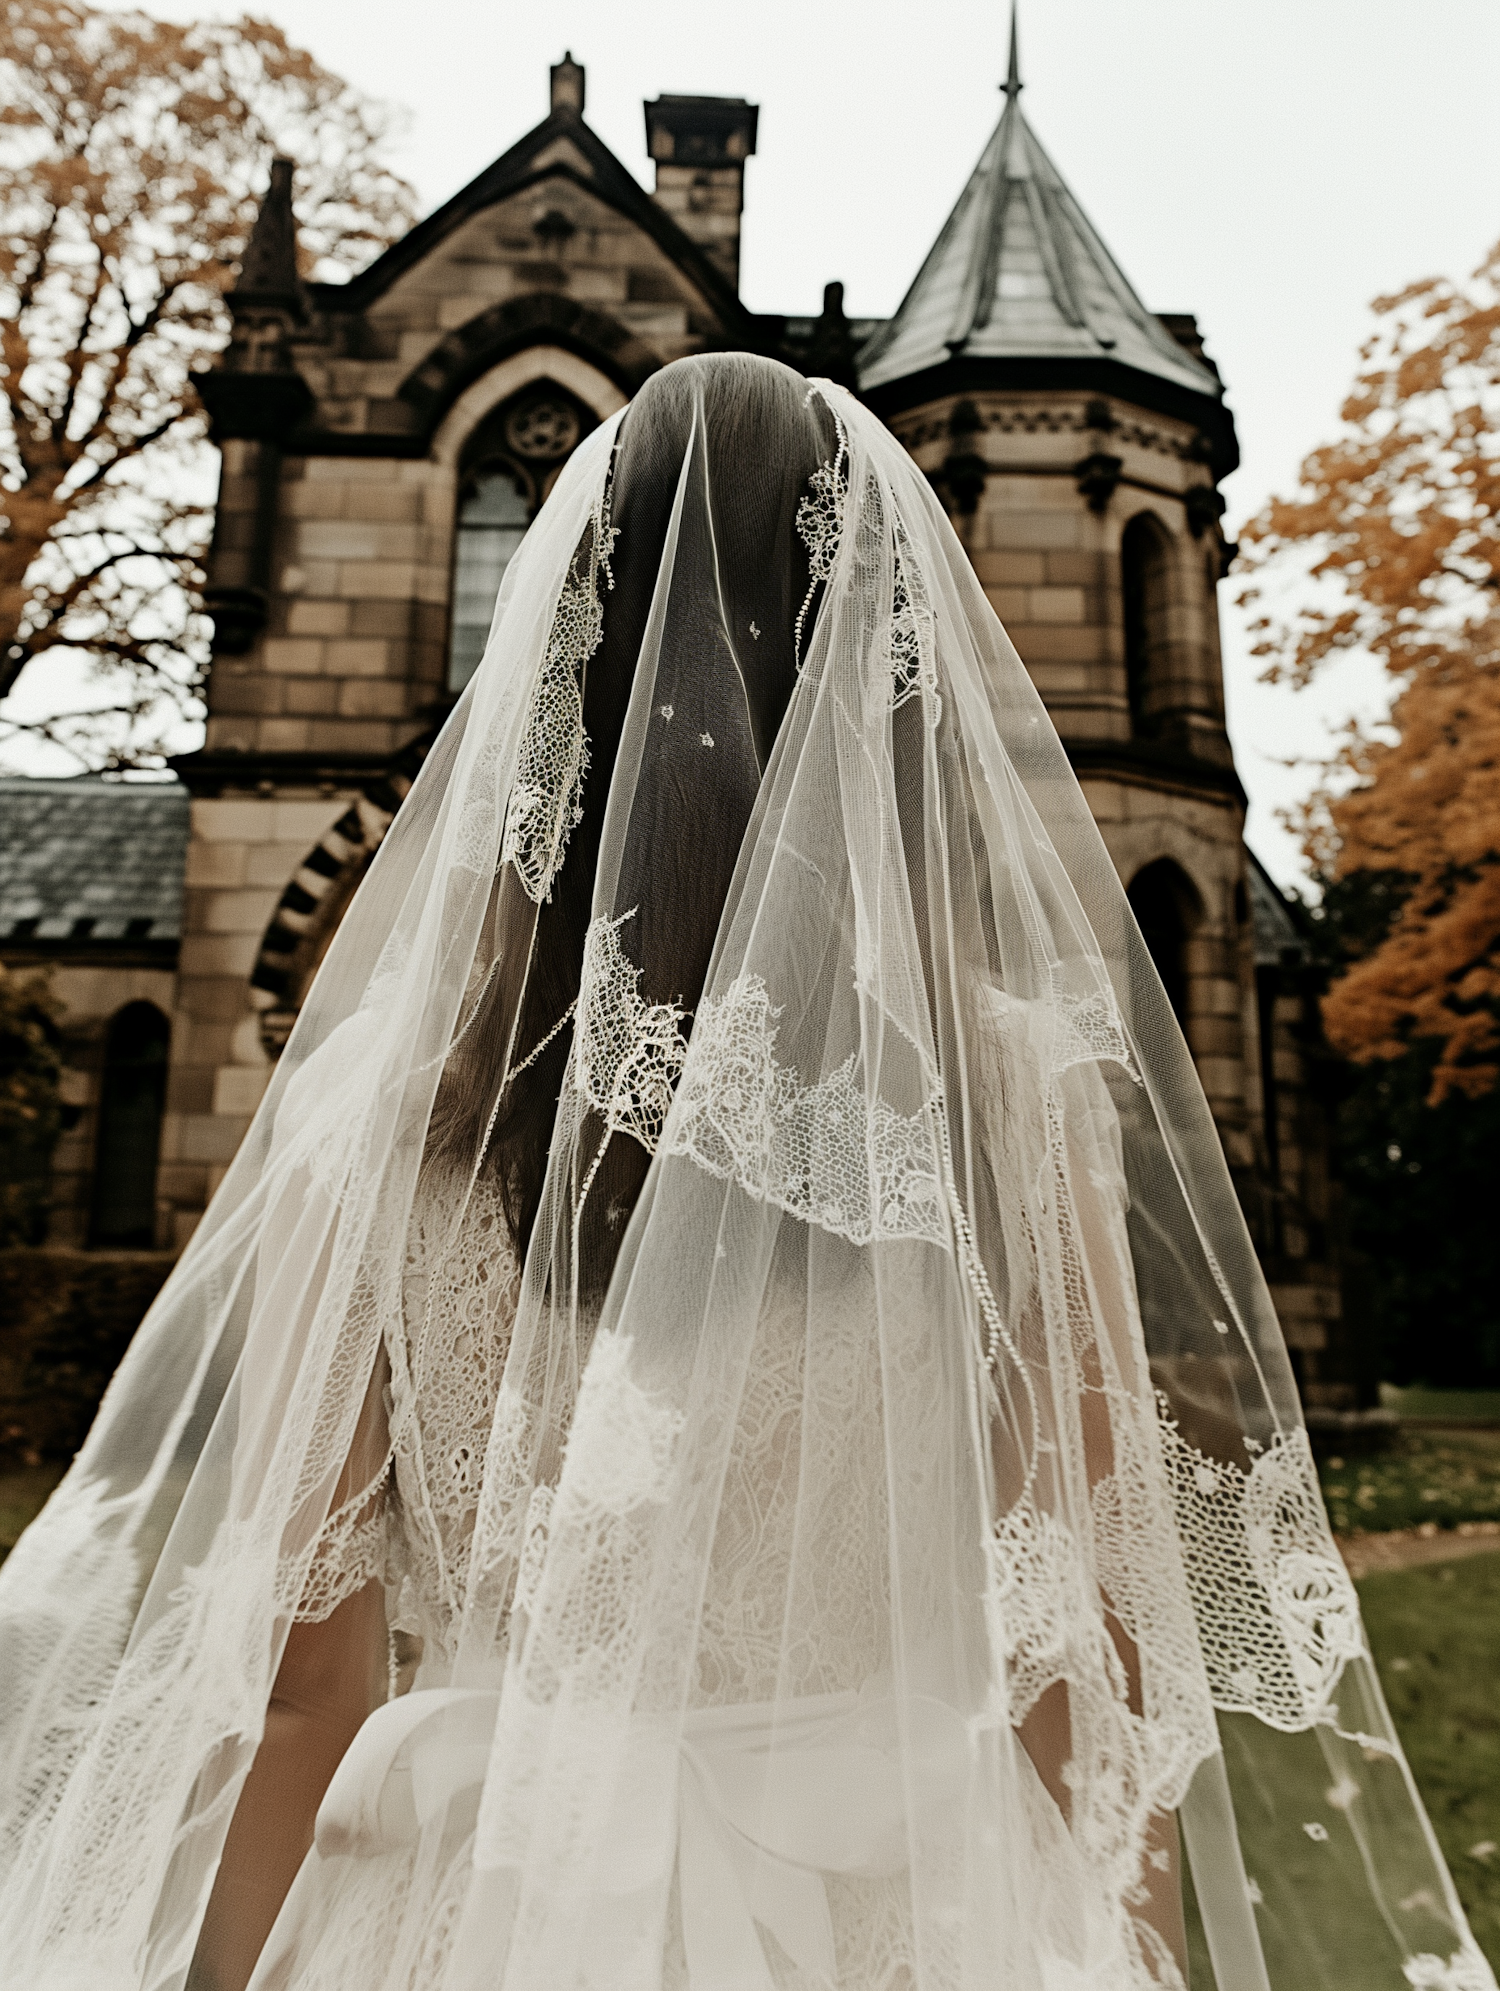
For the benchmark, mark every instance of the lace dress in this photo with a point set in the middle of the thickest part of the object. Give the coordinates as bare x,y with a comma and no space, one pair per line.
412,1524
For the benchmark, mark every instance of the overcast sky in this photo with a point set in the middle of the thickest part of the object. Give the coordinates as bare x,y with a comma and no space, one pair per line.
1269,164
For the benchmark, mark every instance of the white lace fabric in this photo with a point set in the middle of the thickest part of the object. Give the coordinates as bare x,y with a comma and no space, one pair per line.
832,1566
821,1152
545,803
627,1053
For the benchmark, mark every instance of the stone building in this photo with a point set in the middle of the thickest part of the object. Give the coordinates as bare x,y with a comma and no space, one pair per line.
91,888
385,443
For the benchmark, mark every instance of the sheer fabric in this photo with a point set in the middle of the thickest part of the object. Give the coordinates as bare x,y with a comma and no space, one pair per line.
846,1507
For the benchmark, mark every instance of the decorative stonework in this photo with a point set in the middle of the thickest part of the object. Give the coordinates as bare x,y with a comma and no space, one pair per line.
922,426
309,910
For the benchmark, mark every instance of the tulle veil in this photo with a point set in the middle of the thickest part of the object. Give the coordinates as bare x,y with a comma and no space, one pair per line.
873,1518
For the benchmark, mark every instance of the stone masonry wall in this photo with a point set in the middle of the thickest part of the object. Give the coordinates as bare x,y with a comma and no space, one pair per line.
1050,565
352,657
242,851
518,249
1049,562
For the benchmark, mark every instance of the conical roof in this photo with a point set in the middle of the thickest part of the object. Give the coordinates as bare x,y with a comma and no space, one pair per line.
1019,272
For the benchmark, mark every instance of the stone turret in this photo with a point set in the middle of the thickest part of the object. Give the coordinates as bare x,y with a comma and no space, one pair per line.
1078,439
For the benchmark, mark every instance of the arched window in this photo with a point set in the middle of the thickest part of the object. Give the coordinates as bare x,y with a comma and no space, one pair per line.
131,1098
1167,909
1145,582
509,465
494,513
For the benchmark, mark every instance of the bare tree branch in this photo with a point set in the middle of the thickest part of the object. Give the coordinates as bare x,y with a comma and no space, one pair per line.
132,161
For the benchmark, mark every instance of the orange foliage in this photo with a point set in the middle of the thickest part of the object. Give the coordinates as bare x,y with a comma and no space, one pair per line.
132,156
1398,525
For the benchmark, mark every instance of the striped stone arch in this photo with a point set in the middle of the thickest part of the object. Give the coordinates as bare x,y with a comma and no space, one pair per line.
308,912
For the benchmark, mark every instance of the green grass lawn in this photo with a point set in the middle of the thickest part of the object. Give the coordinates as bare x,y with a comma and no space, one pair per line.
1435,1633
1446,1477
1452,1406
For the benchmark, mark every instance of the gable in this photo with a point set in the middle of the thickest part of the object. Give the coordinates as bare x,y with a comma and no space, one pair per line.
562,145
553,237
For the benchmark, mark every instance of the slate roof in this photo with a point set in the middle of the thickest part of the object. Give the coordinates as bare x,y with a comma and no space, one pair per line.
1272,919
1019,272
89,861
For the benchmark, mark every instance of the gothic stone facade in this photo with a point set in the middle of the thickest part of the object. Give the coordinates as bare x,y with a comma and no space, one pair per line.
363,429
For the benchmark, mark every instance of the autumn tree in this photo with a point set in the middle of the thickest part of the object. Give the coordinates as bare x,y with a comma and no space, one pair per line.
1394,539
132,156
30,1102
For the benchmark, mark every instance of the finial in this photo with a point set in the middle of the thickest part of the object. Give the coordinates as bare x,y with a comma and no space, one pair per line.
567,85
268,267
1013,85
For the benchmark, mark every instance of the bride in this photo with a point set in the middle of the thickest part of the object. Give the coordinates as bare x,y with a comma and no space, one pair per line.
724,1432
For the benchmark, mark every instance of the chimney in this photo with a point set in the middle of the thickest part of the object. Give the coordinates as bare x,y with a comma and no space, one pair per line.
567,85
700,145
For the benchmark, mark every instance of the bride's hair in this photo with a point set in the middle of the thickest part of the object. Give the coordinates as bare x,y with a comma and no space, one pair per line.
762,437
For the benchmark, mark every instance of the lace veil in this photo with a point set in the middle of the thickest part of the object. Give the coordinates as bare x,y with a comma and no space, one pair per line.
736,1245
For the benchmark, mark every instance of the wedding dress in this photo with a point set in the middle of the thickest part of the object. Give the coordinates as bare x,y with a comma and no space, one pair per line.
736,1262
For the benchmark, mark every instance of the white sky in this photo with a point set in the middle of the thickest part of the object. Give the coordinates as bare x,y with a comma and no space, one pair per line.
1268,164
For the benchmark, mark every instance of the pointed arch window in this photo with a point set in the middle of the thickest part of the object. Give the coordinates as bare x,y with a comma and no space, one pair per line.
1145,583
1167,910
508,466
131,1099
494,512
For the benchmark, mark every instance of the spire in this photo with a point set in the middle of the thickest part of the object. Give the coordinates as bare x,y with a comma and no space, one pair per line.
1019,272
268,268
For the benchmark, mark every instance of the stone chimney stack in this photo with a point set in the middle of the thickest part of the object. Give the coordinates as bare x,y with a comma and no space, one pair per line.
700,145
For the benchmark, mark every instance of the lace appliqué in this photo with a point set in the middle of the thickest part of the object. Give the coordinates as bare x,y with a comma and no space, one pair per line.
1033,1602
820,521
458,1305
824,1153
913,645
1089,1031
533,1548
628,1054
821,517
351,1553
1278,1617
1465,1970
621,1449
546,797
1055,1034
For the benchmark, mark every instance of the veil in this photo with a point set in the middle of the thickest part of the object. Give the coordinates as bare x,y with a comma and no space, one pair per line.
736,1259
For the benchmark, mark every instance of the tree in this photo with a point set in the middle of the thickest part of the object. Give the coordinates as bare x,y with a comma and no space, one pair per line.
1397,527
1419,1214
1421,1250
30,1103
132,156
